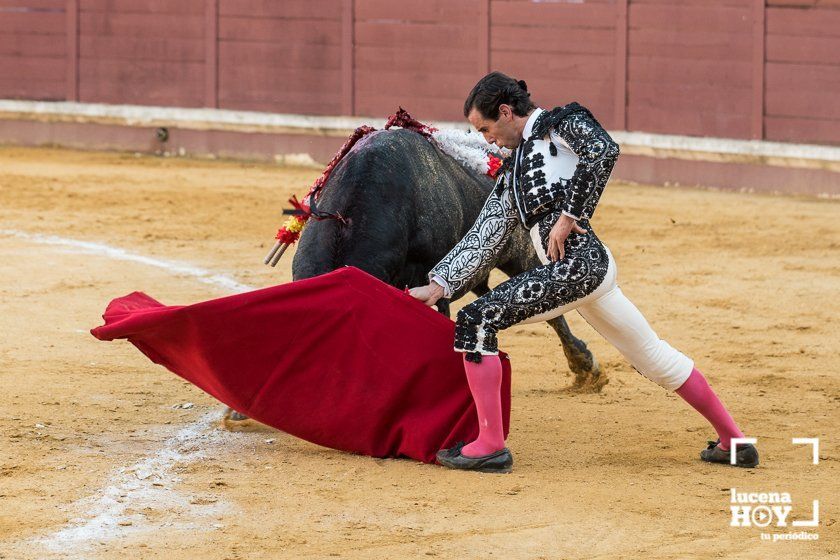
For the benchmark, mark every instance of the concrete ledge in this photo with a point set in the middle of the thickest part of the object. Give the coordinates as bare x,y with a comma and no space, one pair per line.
748,165
190,119
728,175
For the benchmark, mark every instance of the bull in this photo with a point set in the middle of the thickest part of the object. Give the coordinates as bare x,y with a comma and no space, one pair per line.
404,203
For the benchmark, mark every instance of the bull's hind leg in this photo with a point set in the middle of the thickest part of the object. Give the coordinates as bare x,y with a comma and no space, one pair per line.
589,377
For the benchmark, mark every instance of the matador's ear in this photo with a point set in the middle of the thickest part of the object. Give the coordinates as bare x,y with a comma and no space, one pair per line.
552,148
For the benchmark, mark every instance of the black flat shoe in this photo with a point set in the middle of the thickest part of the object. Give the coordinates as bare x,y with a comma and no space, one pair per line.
497,462
746,456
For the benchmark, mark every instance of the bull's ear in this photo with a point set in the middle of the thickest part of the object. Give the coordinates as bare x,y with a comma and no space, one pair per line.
552,148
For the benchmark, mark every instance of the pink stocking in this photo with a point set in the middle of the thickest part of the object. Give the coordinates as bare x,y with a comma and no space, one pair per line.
485,380
697,393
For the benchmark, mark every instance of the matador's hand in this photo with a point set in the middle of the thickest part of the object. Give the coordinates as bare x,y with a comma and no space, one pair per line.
559,233
428,294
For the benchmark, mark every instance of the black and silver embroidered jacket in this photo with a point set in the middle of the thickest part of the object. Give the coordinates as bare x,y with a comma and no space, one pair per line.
563,165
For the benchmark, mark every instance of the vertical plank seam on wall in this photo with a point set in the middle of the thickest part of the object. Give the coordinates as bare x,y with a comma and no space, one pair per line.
758,64
620,72
211,54
348,65
484,37
72,41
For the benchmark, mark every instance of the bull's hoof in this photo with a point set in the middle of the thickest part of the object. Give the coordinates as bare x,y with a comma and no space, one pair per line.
590,380
233,420
231,414
589,377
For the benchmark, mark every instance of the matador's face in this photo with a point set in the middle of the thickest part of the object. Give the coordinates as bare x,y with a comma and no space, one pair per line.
503,131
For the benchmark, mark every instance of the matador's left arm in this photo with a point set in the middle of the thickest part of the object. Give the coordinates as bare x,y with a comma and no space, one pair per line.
597,153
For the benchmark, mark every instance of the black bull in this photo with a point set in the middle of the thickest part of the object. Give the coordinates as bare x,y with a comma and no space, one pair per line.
406,204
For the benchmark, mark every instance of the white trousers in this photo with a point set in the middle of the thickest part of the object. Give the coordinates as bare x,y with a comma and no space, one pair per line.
620,322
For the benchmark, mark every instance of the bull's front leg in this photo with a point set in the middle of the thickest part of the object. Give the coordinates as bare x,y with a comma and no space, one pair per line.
443,306
589,377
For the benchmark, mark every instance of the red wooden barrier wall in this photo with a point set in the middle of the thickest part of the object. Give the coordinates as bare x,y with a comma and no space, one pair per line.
566,52
282,57
727,68
33,49
689,68
803,71
422,55
148,52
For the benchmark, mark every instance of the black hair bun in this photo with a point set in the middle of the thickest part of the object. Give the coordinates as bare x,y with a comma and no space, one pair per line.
522,84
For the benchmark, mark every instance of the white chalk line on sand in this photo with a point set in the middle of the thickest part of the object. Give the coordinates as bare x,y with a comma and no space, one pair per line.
119,508
147,485
175,267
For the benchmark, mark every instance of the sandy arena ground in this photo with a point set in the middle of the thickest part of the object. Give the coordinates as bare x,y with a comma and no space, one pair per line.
97,462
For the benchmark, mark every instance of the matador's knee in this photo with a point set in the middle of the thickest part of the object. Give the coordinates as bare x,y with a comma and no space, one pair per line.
476,326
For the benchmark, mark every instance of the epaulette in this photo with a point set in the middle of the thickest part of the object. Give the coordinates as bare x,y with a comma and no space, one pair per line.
550,119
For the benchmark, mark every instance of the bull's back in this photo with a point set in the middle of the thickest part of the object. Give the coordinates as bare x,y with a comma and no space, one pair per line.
406,204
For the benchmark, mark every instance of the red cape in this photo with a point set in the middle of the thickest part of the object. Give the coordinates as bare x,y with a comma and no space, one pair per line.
342,360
